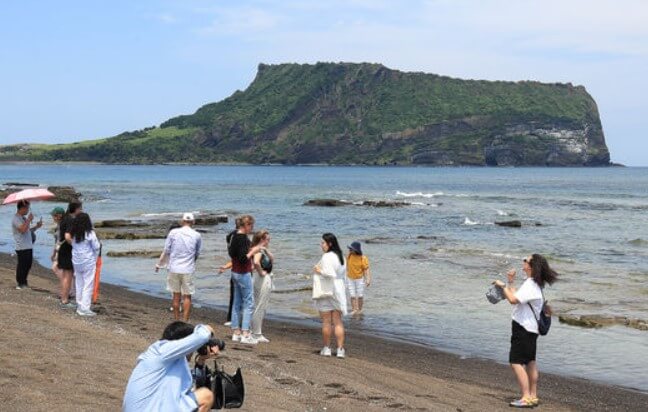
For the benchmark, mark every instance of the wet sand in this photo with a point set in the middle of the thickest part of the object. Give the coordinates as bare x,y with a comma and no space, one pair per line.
53,360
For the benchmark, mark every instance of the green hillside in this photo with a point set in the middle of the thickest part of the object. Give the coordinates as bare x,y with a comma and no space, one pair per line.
367,114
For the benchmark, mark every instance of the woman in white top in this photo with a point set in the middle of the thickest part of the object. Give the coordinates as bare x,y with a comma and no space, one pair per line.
263,262
332,307
528,301
85,250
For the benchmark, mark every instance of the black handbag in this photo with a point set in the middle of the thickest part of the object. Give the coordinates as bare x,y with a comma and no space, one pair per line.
228,390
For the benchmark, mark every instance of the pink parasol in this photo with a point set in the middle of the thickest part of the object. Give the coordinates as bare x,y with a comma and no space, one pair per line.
28,194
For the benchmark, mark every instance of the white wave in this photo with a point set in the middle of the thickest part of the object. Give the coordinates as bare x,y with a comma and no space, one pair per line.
501,212
469,222
419,194
462,195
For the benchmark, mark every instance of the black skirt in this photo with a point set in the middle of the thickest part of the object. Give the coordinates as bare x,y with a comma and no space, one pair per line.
523,345
65,257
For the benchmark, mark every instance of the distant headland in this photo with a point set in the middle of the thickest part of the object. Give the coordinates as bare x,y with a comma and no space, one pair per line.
348,113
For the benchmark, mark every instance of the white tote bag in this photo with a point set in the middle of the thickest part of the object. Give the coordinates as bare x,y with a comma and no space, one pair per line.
322,286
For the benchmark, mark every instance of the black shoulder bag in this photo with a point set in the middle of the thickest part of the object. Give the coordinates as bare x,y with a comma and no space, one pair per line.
543,318
229,390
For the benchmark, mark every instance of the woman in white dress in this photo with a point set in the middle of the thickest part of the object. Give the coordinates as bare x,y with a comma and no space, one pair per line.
330,272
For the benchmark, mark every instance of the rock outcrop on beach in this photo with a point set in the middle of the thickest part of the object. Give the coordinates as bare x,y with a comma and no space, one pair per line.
344,113
61,193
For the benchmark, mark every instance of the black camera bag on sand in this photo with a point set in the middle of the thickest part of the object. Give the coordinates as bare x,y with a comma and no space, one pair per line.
229,390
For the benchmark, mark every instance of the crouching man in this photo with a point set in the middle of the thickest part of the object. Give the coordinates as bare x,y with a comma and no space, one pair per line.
161,380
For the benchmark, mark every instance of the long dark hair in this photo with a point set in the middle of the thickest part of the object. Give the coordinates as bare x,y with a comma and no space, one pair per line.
541,272
334,247
80,226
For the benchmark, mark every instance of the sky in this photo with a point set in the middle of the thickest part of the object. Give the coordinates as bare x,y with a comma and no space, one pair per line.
76,70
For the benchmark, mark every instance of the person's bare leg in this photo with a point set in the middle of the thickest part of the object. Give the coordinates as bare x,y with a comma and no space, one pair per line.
532,371
186,307
522,378
175,303
339,328
360,303
66,285
326,328
205,399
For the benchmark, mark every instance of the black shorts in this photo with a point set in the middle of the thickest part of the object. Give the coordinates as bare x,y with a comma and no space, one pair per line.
523,345
65,257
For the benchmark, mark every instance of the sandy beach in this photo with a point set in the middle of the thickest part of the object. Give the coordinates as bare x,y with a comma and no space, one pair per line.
54,360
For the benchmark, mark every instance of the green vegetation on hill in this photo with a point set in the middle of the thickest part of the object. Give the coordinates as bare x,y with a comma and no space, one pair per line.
357,113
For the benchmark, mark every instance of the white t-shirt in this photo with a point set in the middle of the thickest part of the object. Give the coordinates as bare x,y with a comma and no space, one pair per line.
529,292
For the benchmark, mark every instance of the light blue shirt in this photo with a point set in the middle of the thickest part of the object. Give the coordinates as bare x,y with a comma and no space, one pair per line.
182,246
161,380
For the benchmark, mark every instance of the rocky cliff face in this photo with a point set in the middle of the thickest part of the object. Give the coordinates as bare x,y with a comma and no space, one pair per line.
367,114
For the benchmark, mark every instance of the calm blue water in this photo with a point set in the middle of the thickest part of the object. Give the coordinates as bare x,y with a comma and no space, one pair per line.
432,262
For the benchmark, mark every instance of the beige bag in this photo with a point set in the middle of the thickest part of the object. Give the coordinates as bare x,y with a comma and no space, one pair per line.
322,286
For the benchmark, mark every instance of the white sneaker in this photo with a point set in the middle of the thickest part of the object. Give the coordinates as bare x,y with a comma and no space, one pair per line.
236,338
340,352
85,312
326,351
249,340
228,323
261,339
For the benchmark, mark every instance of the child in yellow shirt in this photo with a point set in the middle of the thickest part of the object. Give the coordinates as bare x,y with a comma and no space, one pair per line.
358,276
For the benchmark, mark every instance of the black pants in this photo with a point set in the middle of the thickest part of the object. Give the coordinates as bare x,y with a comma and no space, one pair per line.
25,259
231,302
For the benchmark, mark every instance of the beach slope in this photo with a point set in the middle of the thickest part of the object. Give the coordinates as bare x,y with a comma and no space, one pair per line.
53,360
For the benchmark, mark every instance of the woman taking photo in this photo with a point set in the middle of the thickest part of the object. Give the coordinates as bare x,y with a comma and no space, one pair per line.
85,250
528,301
330,301
263,262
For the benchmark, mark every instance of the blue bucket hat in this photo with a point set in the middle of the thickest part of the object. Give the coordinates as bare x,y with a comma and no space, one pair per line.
355,247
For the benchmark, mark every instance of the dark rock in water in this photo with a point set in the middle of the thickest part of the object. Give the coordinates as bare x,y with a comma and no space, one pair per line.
379,240
211,220
17,184
385,203
599,321
129,235
423,237
325,202
510,223
64,194
371,203
417,256
538,224
135,253
296,290
119,223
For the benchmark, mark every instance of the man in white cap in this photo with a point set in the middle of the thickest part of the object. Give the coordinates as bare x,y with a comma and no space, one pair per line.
182,248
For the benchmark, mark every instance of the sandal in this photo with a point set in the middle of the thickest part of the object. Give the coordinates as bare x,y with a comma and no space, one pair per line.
522,403
534,401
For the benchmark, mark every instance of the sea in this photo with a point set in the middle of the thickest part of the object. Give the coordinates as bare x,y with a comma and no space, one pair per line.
432,261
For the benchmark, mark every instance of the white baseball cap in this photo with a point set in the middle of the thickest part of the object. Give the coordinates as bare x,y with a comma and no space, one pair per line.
188,217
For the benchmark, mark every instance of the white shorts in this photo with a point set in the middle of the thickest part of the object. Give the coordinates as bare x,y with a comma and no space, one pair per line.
355,287
180,283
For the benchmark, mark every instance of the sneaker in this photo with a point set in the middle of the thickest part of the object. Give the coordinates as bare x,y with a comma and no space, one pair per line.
85,312
249,340
228,323
326,351
236,338
67,305
261,339
340,353
22,287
